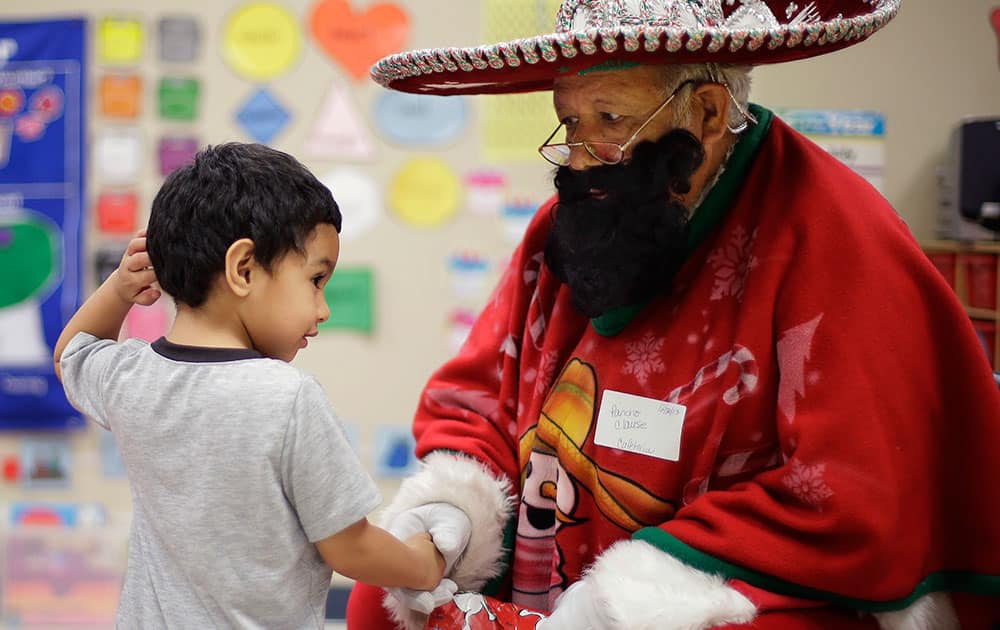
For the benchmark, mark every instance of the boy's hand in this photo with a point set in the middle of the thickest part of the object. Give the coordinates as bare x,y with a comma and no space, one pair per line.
429,556
449,527
135,280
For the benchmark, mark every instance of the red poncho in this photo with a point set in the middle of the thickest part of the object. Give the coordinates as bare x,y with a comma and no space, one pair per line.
840,427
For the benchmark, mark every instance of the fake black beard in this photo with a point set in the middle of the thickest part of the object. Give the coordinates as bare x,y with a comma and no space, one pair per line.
624,246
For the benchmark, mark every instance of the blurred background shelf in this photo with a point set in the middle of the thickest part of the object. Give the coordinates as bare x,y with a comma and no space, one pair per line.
972,269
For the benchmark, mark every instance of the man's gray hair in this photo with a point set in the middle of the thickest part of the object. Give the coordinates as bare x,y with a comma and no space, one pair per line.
736,78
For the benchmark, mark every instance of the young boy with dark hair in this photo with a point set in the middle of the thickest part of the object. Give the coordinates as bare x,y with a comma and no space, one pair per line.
245,490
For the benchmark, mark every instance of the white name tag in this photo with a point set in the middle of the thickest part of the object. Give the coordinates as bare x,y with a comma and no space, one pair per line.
640,425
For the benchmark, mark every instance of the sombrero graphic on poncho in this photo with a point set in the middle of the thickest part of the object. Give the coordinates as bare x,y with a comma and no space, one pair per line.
615,33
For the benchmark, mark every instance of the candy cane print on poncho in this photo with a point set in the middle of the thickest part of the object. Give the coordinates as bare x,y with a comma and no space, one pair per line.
744,383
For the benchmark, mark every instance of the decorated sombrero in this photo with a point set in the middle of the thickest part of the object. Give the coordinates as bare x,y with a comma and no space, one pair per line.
615,33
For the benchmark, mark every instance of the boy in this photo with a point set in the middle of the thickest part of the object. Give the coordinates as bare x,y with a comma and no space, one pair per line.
245,491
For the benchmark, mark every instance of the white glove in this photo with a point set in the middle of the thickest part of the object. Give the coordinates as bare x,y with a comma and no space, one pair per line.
576,609
450,529
425,601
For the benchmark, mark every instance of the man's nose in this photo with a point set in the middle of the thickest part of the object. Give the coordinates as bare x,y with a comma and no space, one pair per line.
580,158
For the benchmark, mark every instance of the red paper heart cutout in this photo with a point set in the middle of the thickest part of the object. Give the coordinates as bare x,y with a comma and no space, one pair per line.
358,40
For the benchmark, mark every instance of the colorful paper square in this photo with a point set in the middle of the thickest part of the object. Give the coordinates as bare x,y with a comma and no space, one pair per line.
349,294
120,95
175,152
119,40
178,98
119,155
180,39
116,212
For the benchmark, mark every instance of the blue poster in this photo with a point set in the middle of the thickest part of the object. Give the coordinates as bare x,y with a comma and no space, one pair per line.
42,82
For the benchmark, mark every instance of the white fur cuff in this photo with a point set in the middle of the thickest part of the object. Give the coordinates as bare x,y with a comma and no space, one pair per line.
640,587
471,487
933,611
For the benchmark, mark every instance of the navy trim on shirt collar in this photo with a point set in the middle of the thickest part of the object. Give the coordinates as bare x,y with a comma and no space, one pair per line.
201,354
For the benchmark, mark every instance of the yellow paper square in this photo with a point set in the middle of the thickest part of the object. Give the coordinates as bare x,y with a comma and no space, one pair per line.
119,40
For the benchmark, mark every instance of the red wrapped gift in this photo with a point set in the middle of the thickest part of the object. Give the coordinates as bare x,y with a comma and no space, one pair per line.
472,611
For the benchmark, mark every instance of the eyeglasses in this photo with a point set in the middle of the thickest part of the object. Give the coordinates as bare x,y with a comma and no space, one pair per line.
609,153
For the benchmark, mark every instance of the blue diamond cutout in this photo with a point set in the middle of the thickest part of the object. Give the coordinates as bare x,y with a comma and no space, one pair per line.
262,117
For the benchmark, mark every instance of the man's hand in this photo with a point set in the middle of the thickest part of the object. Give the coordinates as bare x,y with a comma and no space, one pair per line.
449,528
425,601
135,279
576,610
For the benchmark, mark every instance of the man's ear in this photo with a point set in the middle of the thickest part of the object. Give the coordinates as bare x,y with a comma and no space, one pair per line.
239,264
710,104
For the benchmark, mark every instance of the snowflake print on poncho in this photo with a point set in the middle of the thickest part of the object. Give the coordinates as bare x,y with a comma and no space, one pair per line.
642,358
733,263
807,483
542,377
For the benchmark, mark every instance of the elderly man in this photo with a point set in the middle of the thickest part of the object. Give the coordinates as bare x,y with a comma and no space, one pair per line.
719,383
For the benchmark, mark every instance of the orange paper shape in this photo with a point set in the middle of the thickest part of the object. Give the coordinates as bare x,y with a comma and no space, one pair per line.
121,95
358,40
116,212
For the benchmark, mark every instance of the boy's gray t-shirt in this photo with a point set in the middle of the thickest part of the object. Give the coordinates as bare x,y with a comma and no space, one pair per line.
237,464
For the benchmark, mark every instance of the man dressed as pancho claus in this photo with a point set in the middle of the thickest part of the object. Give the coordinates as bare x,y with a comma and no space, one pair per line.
719,384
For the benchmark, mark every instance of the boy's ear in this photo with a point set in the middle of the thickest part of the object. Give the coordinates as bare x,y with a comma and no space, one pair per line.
239,263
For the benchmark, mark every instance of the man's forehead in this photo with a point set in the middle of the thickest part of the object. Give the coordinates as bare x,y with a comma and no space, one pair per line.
607,87
636,76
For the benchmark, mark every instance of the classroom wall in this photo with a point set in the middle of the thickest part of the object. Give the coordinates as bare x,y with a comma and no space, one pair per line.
937,62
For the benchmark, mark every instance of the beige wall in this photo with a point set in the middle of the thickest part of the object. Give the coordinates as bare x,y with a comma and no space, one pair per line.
934,64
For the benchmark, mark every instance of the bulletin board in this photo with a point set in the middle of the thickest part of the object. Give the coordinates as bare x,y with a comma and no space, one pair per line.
42,113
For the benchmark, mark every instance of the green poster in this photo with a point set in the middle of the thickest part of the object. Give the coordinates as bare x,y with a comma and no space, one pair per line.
178,98
350,296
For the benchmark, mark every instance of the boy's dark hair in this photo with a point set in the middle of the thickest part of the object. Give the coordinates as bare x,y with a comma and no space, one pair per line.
232,191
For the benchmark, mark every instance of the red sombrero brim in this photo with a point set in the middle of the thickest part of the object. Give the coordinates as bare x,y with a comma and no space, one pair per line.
531,64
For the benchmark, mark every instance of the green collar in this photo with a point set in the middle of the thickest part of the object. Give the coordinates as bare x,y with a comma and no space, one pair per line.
708,215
